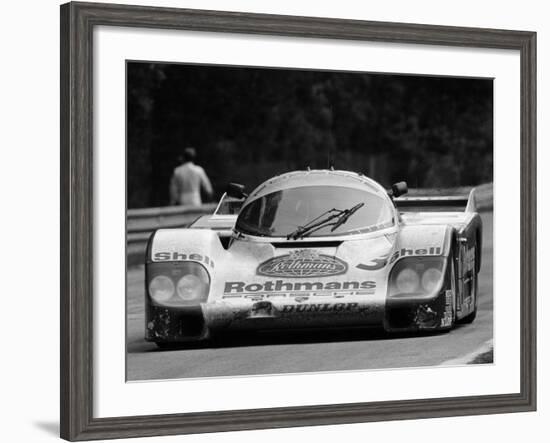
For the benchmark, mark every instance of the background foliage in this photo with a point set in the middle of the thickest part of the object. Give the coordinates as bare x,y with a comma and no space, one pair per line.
251,123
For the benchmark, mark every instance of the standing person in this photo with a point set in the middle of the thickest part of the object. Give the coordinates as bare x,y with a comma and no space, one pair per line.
187,181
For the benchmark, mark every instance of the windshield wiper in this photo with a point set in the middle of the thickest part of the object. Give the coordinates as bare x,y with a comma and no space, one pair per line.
339,215
346,214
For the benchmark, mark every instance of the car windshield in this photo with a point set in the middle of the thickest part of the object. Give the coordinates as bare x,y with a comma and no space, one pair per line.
279,213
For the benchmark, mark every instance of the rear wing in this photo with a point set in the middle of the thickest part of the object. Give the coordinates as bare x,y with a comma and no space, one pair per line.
463,203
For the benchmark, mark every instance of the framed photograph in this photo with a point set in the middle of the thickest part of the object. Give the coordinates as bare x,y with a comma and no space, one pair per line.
272,221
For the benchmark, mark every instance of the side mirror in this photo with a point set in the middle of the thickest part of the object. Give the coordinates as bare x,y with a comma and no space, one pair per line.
398,189
235,190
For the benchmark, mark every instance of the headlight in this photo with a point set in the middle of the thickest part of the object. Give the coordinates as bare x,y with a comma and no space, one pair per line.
190,287
178,284
161,288
407,280
416,277
431,279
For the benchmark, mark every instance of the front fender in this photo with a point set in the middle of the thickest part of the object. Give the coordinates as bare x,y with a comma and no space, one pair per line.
200,245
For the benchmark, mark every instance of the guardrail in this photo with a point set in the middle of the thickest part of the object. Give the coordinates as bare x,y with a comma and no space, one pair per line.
142,222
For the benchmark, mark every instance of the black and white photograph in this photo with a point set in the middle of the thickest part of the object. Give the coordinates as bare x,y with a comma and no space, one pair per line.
229,221
297,221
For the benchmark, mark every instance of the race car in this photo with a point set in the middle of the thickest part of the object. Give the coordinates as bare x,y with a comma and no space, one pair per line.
315,249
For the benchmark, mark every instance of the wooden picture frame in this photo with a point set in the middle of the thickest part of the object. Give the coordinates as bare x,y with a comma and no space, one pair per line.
77,23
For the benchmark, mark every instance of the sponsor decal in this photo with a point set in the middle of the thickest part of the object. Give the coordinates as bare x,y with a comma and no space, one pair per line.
321,307
241,287
380,262
447,318
178,256
302,263
373,265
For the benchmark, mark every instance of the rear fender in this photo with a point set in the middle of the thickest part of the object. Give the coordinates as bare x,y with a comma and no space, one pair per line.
470,236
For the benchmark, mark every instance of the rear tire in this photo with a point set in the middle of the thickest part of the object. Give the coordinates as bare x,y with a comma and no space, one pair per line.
469,318
472,315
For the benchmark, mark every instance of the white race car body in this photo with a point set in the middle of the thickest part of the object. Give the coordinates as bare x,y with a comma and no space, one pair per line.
218,275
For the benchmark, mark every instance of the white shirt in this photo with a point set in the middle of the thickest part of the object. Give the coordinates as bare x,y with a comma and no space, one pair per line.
186,184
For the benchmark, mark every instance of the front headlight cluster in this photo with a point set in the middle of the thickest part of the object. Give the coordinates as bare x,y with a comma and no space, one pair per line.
422,276
179,284
161,288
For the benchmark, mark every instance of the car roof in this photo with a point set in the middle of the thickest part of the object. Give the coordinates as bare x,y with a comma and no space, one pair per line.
317,177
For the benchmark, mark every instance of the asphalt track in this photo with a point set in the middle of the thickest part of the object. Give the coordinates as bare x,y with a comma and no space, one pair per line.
270,353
